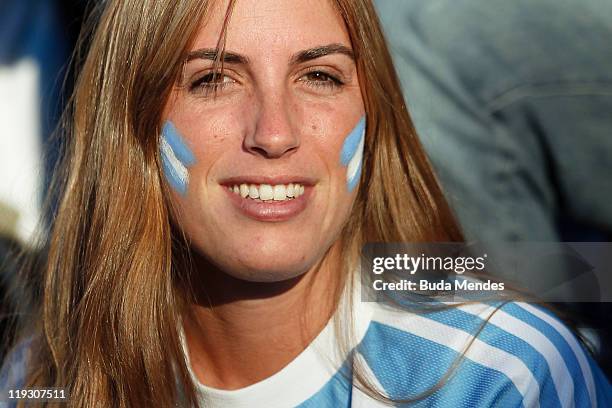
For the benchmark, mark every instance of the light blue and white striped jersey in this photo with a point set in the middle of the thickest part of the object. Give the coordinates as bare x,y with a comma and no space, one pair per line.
524,357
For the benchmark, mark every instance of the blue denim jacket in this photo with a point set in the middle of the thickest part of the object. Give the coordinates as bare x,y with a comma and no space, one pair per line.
513,103
13,372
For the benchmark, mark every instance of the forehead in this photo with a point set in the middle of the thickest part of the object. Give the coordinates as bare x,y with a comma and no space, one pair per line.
274,25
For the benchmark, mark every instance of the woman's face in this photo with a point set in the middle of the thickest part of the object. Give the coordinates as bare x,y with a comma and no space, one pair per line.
263,175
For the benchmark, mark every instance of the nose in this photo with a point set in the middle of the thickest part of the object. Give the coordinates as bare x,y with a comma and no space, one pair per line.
274,135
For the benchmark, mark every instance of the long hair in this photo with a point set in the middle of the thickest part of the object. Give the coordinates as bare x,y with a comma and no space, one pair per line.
399,198
112,293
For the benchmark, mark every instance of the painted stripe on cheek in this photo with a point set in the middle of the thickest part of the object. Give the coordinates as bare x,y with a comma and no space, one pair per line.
175,156
351,143
180,149
352,154
353,170
172,176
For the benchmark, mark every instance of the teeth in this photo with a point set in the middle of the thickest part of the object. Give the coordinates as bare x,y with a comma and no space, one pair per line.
280,193
244,190
253,192
266,192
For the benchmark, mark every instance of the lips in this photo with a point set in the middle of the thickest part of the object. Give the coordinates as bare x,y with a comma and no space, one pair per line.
269,199
271,180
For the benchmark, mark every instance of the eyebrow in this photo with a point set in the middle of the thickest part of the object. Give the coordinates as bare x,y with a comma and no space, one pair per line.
298,58
318,52
212,54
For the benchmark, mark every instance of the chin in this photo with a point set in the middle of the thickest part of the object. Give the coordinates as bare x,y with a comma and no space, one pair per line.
266,276
272,271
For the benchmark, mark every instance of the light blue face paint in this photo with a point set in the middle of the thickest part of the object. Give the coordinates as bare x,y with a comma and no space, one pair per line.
175,140
176,158
351,143
351,155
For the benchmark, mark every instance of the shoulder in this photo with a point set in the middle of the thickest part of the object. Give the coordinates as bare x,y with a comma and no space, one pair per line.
515,352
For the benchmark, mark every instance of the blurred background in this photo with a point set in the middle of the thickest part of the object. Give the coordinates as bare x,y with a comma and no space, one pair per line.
36,41
512,101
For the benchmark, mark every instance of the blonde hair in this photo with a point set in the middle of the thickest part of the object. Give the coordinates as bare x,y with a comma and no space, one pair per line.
112,289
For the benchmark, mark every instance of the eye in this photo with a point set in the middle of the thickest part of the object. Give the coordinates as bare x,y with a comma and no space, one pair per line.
321,79
211,82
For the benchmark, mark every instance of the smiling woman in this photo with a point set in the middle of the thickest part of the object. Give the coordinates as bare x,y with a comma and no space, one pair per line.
273,119
227,162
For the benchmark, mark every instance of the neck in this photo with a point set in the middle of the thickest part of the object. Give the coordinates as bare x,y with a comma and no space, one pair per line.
243,332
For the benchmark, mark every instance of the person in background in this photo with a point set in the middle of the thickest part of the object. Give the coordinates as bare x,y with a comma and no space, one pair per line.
8,271
512,102
36,41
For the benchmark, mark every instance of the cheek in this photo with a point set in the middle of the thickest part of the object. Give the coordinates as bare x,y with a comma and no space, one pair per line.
192,141
345,164
351,155
176,157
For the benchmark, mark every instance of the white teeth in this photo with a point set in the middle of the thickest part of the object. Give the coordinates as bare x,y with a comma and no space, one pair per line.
253,191
280,193
244,190
266,192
